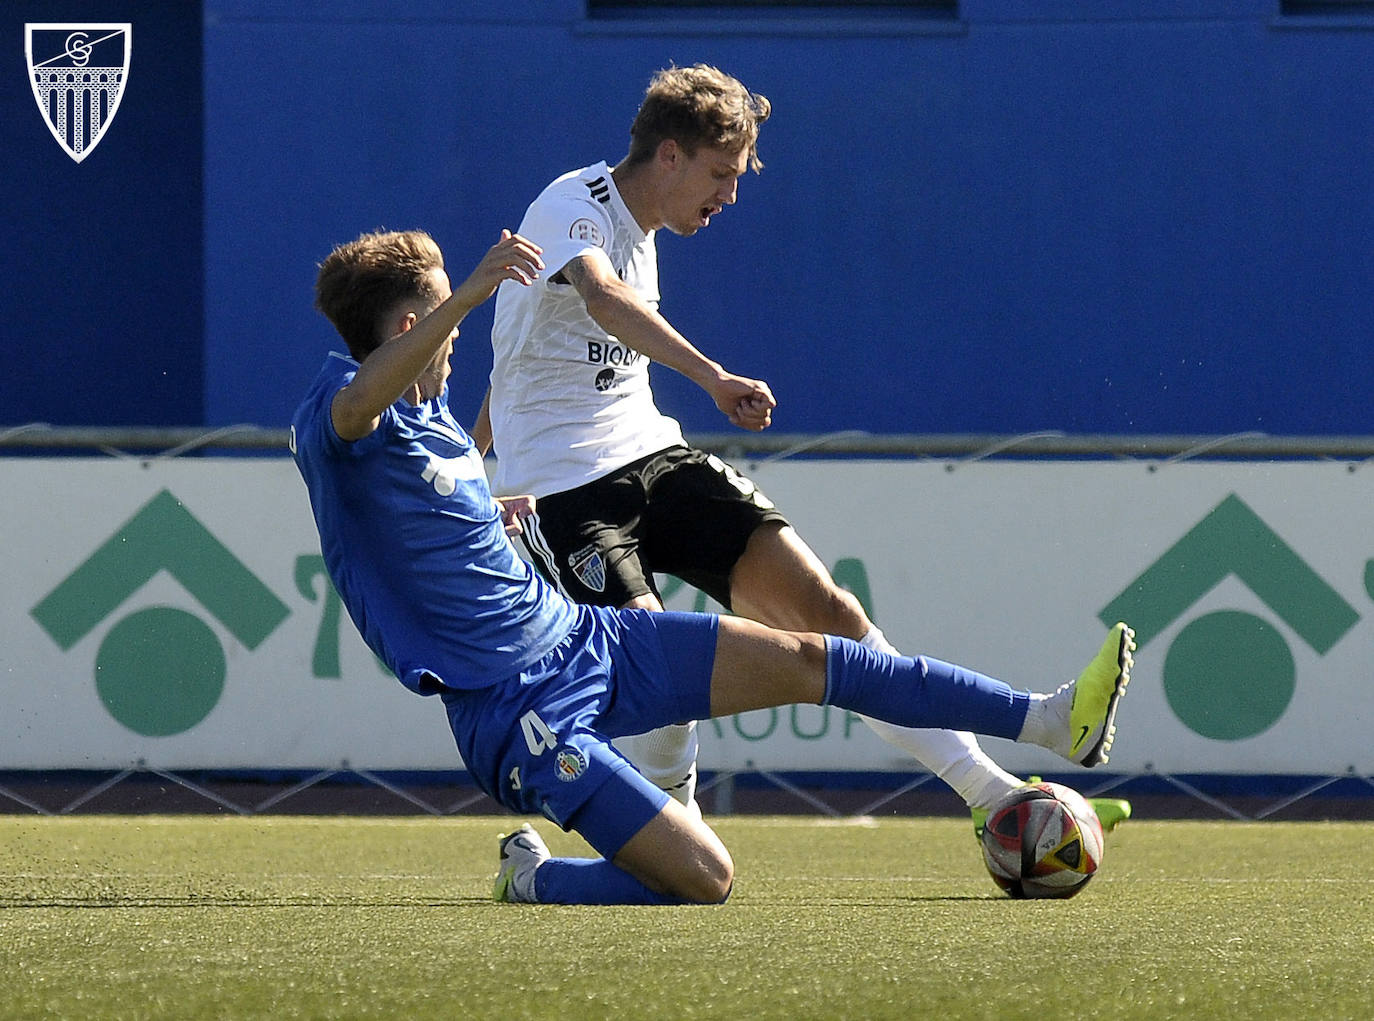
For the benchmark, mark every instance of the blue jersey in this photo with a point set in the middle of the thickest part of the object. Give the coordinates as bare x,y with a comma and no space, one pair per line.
414,544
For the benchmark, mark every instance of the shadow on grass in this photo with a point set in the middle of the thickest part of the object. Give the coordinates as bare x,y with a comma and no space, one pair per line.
895,900
105,902
236,902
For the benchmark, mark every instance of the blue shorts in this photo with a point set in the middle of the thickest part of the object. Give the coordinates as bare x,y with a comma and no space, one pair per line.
540,741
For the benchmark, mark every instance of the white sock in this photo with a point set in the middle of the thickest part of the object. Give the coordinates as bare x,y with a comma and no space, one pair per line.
953,755
1047,720
668,757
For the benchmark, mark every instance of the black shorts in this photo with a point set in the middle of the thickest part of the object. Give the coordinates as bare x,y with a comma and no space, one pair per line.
680,511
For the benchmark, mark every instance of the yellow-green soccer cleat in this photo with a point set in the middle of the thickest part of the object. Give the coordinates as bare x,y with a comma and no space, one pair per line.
521,853
1111,812
1096,694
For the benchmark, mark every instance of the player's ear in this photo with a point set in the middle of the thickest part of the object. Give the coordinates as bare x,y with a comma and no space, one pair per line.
669,152
400,324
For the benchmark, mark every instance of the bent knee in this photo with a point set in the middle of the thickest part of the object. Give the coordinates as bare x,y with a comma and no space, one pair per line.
701,878
709,884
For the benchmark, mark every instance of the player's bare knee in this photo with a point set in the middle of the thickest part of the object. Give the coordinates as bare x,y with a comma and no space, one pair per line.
826,608
703,875
845,614
710,883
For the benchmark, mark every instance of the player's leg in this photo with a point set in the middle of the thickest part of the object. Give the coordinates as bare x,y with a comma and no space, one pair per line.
675,666
780,581
666,755
654,851
757,667
716,528
677,855
544,745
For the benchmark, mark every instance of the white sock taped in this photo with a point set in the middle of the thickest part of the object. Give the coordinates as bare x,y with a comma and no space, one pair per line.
668,757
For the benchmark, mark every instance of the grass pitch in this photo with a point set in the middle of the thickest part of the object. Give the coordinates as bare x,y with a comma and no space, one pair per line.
188,917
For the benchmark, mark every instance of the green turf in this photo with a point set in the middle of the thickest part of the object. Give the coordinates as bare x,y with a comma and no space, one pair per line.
185,917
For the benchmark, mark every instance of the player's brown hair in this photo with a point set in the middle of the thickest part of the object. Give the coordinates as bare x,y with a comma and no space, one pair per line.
698,106
361,282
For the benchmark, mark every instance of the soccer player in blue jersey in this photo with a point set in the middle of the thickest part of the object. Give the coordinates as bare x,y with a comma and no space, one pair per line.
535,686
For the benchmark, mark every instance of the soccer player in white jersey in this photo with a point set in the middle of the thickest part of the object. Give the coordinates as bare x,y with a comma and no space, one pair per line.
620,495
535,686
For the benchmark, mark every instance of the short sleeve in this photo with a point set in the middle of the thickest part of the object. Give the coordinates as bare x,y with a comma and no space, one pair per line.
312,427
565,227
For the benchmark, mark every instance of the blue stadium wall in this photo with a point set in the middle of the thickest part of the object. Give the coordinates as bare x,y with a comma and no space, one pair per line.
1125,216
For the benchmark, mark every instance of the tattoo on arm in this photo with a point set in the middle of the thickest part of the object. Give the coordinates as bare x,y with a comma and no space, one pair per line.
573,273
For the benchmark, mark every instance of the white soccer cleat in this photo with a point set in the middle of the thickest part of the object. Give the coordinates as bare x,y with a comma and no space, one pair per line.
521,853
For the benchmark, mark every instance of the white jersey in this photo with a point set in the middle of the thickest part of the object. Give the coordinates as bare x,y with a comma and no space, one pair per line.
569,402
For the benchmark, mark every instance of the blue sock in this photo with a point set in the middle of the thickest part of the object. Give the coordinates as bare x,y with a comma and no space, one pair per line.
920,692
592,881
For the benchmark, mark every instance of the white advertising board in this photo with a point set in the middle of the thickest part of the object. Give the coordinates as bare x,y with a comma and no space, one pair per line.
175,613
126,583
1249,585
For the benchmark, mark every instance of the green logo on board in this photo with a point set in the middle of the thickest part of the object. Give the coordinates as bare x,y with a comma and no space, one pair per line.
1230,674
160,670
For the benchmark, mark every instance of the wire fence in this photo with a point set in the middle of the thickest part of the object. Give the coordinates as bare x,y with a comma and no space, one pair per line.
352,790
349,788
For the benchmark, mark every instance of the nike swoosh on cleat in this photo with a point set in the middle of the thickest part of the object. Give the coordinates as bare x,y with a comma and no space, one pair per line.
1080,738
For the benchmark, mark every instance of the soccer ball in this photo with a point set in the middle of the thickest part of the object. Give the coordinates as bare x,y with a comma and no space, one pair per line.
1042,840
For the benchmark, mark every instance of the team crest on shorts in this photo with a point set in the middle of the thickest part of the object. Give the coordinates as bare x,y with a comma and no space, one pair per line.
569,764
589,567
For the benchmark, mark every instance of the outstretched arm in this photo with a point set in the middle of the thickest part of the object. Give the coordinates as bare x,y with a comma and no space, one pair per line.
392,369
617,309
481,429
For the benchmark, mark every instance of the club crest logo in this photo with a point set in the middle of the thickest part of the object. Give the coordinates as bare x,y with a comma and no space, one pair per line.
590,569
586,230
77,73
569,764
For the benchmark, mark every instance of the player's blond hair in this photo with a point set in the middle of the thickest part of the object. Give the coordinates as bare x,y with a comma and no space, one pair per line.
698,106
360,283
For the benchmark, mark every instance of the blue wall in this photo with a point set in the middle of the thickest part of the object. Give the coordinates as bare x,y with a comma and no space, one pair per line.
1088,215
101,263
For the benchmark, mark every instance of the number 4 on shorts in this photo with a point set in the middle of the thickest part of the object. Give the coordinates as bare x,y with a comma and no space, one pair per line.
538,736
